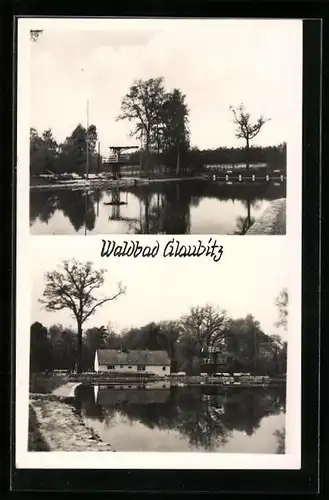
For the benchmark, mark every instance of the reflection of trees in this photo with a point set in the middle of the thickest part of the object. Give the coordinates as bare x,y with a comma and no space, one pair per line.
165,209
245,408
85,400
176,210
244,223
205,416
98,196
78,206
201,423
43,205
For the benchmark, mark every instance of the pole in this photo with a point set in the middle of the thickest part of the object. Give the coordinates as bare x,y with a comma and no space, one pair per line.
254,338
87,142
141,155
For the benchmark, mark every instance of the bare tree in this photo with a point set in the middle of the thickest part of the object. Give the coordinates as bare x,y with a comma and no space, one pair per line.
282,304
207,326
245,129
72,287
34,34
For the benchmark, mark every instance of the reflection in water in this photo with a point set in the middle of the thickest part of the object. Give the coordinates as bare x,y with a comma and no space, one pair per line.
242,420
181,207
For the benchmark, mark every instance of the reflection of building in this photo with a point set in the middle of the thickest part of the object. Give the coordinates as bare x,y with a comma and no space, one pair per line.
115,361
109,397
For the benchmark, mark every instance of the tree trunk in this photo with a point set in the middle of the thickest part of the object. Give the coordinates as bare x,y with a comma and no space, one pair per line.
79,354
247,153
249,214
178,161
146,163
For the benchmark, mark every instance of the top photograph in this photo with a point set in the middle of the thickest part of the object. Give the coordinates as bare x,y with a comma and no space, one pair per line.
161,126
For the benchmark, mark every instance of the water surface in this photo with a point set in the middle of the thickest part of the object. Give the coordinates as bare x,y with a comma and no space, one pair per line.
199,419
180,207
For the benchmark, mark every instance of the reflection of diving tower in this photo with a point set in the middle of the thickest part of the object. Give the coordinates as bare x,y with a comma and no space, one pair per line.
116,204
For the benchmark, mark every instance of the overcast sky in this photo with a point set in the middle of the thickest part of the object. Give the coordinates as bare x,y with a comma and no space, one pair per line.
216,63
246,280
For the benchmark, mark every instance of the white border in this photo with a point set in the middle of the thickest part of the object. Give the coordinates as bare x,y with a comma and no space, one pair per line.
149,460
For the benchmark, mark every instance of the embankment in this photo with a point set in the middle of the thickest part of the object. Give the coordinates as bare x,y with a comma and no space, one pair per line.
272,220
55,425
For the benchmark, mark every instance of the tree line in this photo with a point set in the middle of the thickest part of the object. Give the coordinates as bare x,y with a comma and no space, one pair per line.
160,121
49,156
205,337
244,347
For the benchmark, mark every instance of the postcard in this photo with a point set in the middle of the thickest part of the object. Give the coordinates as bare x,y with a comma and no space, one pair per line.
159,180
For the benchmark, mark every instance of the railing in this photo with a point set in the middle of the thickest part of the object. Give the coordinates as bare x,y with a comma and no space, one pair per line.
116,158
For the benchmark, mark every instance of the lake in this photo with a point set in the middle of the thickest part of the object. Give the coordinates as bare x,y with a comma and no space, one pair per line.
180,419
178,207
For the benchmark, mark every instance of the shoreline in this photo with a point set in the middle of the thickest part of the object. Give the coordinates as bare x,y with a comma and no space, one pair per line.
217,381
55,425
140,181
103,183
272,221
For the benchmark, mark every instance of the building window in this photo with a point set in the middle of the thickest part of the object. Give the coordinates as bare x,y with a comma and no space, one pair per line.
110,367
129,367
140,367
164,368
121,366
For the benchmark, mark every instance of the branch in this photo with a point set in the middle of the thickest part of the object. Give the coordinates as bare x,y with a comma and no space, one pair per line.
122,291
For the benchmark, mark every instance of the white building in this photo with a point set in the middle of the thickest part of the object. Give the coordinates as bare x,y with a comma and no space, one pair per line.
114,361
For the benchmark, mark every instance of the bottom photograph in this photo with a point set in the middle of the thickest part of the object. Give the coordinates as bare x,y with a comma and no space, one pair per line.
176,355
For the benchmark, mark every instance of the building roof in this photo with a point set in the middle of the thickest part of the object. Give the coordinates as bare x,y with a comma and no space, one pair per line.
135,357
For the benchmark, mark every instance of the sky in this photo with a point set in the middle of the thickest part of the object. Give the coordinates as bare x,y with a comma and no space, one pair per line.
245,281
216,63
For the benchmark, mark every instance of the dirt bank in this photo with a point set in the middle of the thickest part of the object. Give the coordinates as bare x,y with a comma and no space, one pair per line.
56,426
272,220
